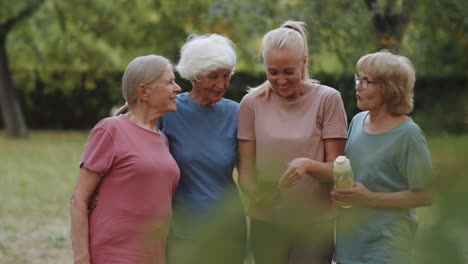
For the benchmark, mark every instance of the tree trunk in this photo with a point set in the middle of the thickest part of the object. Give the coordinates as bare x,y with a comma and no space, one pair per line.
13,119
390,21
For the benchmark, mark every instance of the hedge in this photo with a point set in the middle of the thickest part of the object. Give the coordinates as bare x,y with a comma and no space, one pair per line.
79,100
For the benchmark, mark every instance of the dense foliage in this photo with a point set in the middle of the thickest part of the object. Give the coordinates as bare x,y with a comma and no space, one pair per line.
101,36
440,103
66,55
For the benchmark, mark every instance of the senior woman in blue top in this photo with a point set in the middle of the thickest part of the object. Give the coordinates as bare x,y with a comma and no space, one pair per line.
209,222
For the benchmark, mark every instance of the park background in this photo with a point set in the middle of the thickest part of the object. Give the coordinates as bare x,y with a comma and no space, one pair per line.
61,64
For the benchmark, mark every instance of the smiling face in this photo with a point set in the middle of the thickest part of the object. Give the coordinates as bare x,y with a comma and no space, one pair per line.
163,92
284,71
210,88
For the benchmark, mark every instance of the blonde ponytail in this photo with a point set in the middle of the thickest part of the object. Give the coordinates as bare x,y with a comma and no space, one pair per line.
293,35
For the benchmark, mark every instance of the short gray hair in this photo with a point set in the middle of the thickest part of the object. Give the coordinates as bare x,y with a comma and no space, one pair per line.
203,54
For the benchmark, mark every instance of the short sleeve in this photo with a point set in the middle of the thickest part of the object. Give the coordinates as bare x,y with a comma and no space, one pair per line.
246,119
334,117
98,154
418,164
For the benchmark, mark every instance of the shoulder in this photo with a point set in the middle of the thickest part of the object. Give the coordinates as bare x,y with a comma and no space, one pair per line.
110,123
359,117
323,96
107,128
183,103
326,98
248,97
413,131
412,126
246,100
229,103
326,91
182,97
252,98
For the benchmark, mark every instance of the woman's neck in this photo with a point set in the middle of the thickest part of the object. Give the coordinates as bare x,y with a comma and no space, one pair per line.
198,98
380,121
303,87
143,118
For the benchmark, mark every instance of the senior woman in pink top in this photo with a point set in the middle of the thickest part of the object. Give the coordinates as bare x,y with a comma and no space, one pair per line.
280,122
128,174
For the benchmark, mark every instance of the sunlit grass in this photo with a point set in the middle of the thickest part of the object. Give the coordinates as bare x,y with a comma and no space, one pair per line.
37,176
445,228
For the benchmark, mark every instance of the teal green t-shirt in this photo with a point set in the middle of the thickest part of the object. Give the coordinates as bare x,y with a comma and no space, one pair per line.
393,161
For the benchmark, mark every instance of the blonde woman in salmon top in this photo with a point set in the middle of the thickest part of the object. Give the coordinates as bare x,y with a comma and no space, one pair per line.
282,124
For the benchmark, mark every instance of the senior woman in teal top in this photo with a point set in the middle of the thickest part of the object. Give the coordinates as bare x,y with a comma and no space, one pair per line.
209,223
391,164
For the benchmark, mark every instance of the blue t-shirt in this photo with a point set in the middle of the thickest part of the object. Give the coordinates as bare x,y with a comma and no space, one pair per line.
203,141
393,161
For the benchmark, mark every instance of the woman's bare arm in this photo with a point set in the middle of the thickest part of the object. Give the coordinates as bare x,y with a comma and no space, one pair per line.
84,189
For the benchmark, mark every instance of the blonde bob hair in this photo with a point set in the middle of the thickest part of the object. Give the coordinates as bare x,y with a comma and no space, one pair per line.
141,70
396,75
204,54
291,35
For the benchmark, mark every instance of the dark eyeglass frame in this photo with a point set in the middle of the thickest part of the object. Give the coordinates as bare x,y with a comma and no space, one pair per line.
364,82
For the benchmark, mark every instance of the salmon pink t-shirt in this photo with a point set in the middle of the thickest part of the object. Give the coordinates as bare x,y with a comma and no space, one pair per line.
130,221
285,129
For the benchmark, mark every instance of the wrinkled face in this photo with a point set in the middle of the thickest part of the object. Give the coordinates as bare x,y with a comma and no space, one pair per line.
163,92
370,98
284,71
210,88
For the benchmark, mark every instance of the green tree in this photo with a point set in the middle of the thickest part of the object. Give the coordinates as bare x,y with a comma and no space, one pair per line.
100,36
436,39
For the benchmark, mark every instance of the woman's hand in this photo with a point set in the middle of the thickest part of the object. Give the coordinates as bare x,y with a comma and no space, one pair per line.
296,168
359,195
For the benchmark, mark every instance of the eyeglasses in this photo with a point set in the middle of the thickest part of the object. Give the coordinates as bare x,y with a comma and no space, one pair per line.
363,81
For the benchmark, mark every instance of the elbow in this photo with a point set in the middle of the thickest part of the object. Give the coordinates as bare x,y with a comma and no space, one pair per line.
72,202
78,206
74,205
75,201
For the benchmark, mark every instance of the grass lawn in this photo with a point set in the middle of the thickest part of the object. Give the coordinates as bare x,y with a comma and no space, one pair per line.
37,176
